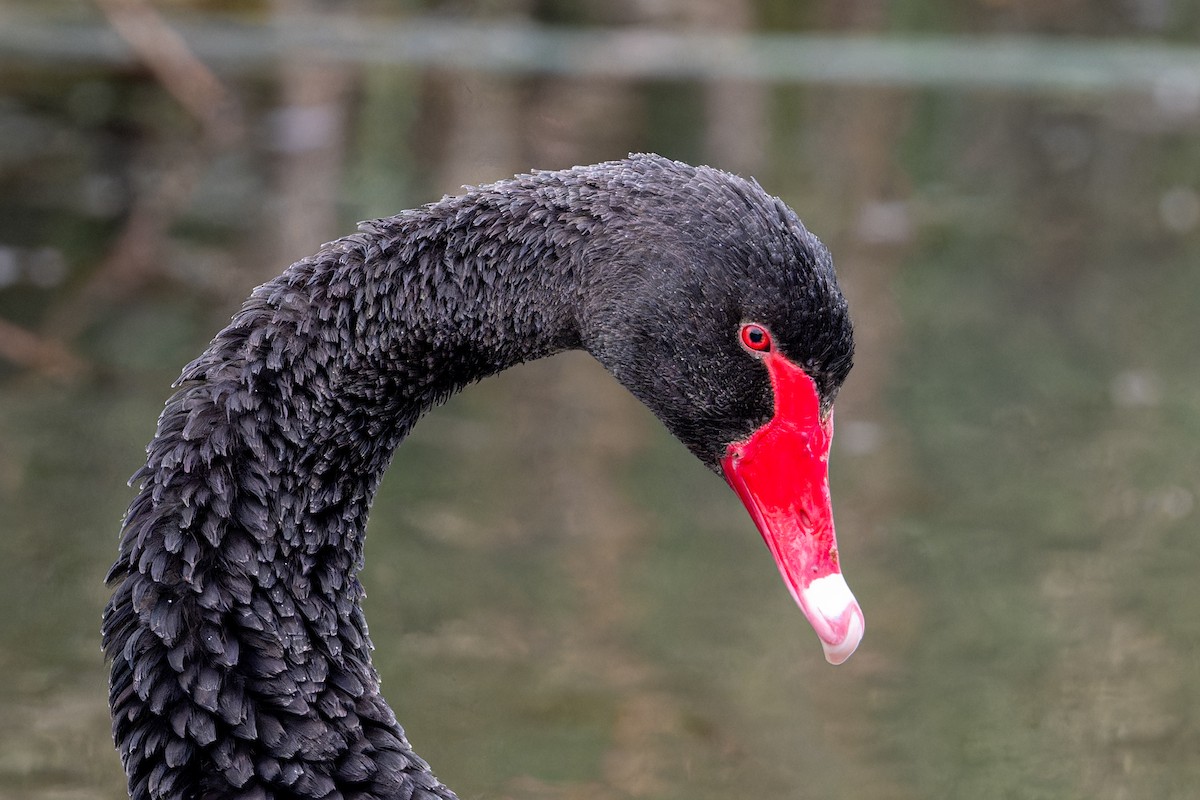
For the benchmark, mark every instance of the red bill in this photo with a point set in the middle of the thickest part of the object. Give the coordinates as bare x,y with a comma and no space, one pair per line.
781,473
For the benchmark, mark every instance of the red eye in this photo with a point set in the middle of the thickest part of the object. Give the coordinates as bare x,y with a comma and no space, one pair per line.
756,338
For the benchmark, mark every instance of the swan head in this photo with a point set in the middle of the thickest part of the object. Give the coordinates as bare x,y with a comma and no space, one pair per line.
723,315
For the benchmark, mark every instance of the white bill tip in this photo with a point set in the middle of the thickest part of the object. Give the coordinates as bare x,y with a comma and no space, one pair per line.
835,616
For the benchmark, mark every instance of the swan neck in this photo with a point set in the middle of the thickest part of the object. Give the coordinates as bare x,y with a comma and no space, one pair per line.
240,656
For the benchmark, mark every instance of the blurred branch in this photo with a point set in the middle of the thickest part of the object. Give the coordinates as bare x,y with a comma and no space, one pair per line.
29,350
134,258
167,55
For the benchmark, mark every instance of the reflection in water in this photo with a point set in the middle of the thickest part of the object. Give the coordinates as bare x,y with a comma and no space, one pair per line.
565,603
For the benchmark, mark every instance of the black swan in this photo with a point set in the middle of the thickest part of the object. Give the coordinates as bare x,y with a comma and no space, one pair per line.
240,658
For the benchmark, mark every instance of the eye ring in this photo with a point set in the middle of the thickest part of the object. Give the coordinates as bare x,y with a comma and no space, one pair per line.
755,338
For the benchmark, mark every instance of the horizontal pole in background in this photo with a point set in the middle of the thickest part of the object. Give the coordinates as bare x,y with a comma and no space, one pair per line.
1058,64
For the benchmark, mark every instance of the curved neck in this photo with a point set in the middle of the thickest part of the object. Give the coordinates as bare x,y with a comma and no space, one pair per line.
340,355
240,655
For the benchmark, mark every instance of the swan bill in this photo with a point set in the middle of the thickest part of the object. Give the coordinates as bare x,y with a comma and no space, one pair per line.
781,474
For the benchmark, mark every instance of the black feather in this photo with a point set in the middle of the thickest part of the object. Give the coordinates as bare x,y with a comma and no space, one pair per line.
240,659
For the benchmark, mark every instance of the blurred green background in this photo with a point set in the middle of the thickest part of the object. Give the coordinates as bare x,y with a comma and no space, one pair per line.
565,604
